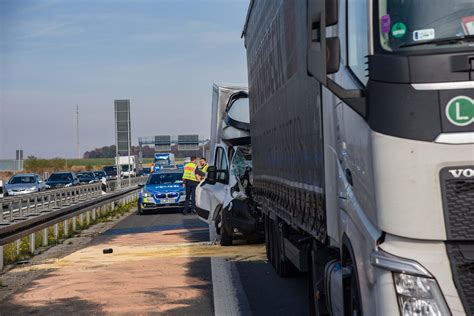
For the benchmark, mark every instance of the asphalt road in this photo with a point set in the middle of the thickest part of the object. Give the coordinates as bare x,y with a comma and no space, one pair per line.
162,263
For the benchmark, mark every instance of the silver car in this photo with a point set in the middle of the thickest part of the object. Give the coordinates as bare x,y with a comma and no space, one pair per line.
23,184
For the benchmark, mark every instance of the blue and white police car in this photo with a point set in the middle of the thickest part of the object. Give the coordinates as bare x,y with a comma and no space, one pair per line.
163,189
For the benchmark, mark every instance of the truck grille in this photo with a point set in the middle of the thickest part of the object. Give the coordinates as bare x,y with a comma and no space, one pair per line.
461,257
458,202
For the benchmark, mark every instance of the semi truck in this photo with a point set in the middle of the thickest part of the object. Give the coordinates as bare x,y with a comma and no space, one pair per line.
362,129
224,199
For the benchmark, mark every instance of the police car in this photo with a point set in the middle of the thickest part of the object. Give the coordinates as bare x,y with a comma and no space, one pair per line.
163,189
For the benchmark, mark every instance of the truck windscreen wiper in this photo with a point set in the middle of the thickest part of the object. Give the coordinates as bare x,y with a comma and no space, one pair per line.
441,41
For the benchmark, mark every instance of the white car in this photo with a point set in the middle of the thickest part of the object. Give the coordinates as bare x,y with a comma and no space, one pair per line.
24,184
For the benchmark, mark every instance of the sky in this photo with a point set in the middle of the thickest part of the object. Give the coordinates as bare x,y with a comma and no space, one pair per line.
163,55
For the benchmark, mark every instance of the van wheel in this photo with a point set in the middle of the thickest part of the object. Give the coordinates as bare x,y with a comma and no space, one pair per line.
226,238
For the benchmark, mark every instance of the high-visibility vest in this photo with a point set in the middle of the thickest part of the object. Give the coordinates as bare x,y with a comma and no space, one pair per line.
204,169
189,172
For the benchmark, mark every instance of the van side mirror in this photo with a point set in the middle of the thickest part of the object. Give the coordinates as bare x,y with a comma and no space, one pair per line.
211,177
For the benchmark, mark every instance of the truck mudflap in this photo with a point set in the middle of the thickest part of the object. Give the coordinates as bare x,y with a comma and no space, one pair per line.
240,219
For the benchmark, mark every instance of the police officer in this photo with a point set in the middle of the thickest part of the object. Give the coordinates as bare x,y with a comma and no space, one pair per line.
201,170
190,181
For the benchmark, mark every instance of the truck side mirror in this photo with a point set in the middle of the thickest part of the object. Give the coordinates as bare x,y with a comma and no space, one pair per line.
211,177
324,54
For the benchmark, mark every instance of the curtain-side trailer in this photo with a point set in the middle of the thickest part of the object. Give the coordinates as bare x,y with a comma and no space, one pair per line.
362,128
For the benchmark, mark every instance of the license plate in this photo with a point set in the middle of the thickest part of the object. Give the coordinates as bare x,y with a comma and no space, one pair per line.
166,201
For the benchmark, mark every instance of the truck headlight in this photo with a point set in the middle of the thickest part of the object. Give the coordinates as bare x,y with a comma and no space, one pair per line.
419,295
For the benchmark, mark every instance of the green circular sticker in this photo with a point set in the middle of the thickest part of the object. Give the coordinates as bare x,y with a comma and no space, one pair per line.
399,29
460,111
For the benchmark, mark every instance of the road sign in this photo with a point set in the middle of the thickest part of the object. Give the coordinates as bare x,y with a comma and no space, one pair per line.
460,111
122,127
163,143
188,142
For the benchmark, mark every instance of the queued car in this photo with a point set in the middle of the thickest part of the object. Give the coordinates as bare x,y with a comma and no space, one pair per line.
99,174
23,184
62,180
162,190
87,177
110,171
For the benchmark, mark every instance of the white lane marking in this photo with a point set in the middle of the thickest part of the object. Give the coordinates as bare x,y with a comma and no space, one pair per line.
229,296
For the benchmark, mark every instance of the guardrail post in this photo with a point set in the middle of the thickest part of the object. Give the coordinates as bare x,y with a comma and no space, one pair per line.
20,207
93,214
66,228
1,213
1,258
74,223
36,204
56,232
88,218
10,209
17,244
44,238
81,219
32,243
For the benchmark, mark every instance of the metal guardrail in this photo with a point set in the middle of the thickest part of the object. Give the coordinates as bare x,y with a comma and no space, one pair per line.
24,214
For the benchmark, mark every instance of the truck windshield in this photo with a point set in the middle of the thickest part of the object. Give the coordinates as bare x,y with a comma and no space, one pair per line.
162,161
426,24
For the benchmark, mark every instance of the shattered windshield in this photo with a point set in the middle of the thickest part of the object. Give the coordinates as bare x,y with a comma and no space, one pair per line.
426,24
241,163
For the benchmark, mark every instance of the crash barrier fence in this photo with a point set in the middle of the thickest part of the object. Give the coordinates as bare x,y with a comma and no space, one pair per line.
40,211
22,206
